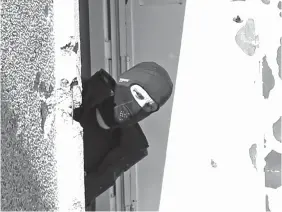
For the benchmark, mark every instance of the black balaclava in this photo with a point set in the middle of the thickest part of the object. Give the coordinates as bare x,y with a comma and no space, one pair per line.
122,108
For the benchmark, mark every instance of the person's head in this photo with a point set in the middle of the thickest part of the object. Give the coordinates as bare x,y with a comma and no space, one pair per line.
141,91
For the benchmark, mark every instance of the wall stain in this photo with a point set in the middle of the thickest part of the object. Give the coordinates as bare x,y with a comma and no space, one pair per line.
267,78
46,10
277,129
43,113
41,86
37,81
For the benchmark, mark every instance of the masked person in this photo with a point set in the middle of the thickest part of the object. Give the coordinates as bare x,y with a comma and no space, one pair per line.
109,115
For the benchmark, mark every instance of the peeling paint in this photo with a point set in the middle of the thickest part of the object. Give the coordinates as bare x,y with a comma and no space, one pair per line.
267,78
278,60
273,170
253,155
277,130
246,38
31,107
279,6
237,19
257,30
267,204
213,163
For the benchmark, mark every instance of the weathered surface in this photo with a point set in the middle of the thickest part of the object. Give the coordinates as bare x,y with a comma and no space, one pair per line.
246,38
237,19
42,161
273,170
278,60
28,176
258,19
267,78
277,130
253,155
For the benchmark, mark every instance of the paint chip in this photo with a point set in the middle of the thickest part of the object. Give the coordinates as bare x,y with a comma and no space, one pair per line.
267,78
277,129
246,38
278,60
273,170
213,163
238,19
253,155
267,209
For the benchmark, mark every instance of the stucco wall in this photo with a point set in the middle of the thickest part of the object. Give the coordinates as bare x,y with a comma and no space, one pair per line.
41,149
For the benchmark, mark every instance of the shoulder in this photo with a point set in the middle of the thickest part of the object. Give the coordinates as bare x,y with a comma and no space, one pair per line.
134,136
102,78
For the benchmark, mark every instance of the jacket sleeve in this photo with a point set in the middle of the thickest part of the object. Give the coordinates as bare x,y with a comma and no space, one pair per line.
114,164
95,89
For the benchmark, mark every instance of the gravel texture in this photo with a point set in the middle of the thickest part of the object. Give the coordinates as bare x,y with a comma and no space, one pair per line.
28,176
36,105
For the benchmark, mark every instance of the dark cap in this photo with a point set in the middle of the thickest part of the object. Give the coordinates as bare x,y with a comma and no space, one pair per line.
152,77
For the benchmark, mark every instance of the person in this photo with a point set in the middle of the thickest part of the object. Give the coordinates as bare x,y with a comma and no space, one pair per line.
109,115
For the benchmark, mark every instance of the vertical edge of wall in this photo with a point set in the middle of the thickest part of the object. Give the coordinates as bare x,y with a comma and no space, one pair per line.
68,137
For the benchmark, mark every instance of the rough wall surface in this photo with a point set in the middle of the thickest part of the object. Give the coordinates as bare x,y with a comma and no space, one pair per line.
28,176
40,145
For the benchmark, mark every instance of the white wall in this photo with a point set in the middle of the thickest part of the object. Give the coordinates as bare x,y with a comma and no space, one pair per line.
225,112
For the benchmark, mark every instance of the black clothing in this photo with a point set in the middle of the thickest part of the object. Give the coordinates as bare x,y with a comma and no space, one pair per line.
107,152
154,79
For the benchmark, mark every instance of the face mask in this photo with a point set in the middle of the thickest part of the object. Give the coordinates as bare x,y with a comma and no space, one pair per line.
132,104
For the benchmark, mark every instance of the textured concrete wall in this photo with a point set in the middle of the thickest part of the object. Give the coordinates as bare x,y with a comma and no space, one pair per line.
28,176
40,146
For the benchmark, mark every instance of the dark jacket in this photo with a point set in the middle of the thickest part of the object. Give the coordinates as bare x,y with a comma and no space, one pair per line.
107,153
